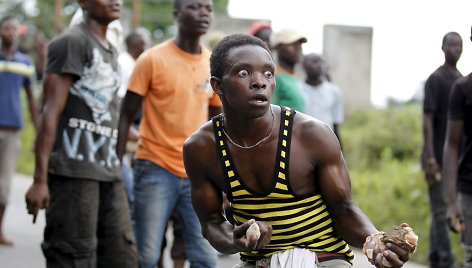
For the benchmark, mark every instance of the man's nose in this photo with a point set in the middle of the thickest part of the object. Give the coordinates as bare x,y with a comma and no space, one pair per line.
258,81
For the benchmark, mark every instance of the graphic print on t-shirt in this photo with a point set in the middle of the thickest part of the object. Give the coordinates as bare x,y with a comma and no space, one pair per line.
97,87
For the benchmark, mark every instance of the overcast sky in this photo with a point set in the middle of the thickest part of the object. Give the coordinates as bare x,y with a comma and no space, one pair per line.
407,34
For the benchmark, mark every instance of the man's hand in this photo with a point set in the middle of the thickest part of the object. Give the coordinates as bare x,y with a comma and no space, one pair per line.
455,219
37,197
433,172
252,242
382,254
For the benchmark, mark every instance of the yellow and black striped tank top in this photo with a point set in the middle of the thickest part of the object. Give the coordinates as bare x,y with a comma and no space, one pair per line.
298,221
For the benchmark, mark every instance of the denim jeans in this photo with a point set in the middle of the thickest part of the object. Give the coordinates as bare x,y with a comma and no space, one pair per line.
128,181
466,237
157,193
440,251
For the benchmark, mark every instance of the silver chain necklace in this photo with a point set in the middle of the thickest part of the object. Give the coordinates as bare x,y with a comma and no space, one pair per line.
257,143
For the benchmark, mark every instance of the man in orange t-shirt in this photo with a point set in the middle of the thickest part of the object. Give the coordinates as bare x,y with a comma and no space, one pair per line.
171,80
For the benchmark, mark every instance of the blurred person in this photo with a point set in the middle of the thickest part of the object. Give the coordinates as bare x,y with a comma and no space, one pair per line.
323,99
171,80
435,108
77,176
16,71
302,208
135,46
287,43
457,171
136,43
261,30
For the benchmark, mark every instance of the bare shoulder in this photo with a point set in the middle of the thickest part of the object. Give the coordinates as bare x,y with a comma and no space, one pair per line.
311,129
314,135
202,139
200,157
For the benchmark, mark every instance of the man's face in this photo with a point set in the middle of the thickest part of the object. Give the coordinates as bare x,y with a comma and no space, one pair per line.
453,48
291,52
9,31
104,11
248,80
313,65
194,17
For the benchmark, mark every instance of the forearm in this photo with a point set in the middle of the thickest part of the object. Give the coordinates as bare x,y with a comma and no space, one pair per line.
428,136
43,146
220,235
129,107
123,130
450,171
353,225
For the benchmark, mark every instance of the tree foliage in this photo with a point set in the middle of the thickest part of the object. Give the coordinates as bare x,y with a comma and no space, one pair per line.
156,15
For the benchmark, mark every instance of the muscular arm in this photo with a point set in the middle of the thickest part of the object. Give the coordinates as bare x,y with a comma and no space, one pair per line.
129,107
351,223
207,200
56,89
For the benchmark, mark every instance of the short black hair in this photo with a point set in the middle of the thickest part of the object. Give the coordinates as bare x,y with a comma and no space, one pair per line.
221,50
132,37
446,36
6,18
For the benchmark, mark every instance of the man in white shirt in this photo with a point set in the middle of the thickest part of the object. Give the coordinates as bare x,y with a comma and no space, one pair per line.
323,99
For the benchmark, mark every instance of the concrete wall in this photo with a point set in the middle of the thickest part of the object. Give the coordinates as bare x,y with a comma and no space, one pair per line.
348,53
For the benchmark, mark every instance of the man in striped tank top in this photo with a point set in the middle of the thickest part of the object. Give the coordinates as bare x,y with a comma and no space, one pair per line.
300,210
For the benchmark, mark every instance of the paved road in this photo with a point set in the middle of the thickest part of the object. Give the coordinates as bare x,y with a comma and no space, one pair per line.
27,237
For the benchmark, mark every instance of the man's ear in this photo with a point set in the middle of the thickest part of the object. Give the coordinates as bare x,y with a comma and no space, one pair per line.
215,83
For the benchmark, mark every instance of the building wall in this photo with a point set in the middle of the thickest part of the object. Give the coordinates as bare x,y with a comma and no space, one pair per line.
348,53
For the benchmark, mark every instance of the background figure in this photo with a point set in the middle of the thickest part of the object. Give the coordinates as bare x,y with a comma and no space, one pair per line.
77,174
435,108
171,81
458,174
261,30
135,46
323,99
16,72
287,43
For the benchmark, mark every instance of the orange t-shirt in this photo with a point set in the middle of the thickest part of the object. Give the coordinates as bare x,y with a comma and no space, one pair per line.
176,95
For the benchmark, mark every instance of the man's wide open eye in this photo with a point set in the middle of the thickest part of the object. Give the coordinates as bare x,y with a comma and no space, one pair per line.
243,73
268,74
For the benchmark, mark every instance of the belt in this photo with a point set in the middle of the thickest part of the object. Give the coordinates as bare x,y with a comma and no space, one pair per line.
321,256
325,256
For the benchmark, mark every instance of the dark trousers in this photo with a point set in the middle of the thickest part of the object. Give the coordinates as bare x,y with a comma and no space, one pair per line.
440,250
88,225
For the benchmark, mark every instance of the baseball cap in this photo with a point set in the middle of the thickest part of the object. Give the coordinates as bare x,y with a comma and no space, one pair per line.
286,36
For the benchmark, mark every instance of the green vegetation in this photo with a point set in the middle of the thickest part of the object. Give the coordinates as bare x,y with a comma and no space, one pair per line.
382,149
